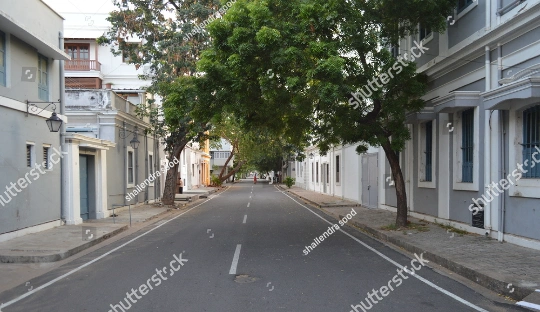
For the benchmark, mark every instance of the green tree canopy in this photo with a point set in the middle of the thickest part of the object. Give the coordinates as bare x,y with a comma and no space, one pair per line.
292,66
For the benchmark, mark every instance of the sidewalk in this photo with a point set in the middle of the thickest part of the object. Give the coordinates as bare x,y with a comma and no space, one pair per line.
64,241
506,269
194,194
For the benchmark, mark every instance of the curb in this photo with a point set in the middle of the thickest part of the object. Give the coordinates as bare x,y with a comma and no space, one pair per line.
62,255
481,279
491,283
317,204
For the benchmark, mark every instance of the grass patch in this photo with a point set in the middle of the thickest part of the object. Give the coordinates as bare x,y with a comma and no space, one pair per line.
418,227
450,228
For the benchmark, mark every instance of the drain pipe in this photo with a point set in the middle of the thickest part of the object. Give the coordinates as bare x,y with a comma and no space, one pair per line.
502,210
487,147
125,162
64,200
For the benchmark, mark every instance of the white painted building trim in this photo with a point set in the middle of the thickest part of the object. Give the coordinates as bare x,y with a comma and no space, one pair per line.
457,161
524,187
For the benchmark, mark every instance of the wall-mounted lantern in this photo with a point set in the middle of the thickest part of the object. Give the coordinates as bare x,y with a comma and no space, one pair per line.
54,122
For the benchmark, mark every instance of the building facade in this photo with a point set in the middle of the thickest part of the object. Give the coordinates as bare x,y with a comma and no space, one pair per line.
114,160
472,160
30,80
219,155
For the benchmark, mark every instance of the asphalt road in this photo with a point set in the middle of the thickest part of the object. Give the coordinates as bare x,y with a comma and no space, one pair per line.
244,251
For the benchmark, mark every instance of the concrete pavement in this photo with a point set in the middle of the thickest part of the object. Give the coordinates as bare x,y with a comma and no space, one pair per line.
64,241
507,269
244,253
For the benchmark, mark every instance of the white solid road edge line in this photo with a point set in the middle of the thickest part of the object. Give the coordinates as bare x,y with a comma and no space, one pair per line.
236,256
444,291
7,304
529,305
245,218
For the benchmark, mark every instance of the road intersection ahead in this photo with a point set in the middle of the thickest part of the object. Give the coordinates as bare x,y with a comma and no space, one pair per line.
242,250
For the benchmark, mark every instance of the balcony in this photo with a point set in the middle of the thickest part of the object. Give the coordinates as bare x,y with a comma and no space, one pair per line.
82,65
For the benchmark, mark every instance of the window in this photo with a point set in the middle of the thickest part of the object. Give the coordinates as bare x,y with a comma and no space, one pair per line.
327,173
43,83
29,155
151,167
221,155
424,33
317,174
463,4
337,169
125,55
193,170
46,154
78,51
130,169
531,140
429,152
467,145
312,173
2,59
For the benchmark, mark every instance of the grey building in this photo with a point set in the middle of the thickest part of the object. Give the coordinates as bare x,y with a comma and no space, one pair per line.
472,159
115,162
30,88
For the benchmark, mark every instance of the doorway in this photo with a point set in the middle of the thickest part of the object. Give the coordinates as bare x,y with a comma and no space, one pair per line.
87,186
370,180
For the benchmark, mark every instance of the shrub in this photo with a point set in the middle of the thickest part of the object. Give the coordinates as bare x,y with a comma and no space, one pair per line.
289,182
215,181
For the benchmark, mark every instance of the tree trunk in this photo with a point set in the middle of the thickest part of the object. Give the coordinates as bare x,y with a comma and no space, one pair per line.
220,176
240,164
170,181
399,182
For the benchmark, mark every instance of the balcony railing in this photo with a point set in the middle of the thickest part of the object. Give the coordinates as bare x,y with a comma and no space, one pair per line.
82,65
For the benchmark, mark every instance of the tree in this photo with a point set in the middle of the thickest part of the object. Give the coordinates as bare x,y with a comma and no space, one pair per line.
299,63
227,129
160,35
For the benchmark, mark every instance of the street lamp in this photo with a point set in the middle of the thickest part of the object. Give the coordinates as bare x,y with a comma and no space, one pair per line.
310,155
54,122
134,141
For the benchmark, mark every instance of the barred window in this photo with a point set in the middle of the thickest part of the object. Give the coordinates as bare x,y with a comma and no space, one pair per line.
46,153
531,139
429,151
467,148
